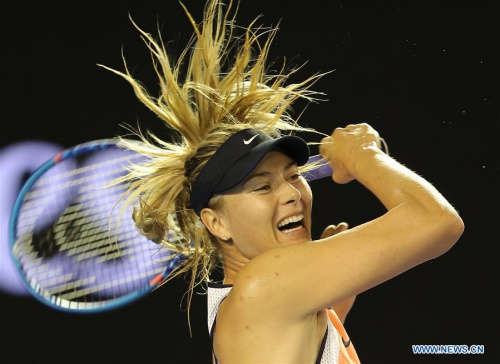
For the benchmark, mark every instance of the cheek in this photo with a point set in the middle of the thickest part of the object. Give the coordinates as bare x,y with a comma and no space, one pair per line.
249,216
306,193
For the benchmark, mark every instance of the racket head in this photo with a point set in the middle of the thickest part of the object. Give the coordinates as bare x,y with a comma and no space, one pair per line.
73,247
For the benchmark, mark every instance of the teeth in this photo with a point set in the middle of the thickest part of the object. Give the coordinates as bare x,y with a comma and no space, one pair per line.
291,219
287,231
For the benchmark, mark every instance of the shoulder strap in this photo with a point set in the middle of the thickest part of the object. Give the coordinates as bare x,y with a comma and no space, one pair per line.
348,354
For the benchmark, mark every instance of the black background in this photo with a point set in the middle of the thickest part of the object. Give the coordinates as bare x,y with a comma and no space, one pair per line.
425,74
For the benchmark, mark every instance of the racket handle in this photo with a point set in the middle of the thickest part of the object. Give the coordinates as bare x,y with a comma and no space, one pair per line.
320,172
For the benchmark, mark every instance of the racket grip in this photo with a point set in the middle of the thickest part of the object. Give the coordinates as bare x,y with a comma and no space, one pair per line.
322,171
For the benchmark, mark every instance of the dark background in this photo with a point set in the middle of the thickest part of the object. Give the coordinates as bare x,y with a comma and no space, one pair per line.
425,74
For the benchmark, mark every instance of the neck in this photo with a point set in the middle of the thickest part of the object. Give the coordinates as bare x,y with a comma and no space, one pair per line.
234,261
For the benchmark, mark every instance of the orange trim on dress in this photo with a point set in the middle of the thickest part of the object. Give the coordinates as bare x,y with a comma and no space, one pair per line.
348,354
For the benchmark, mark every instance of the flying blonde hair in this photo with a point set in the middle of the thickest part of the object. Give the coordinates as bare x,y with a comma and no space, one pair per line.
225,88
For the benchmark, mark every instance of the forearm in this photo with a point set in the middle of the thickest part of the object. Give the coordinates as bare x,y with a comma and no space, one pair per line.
394,184
416,207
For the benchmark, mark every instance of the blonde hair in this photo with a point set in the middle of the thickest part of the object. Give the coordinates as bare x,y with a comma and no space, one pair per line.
203,109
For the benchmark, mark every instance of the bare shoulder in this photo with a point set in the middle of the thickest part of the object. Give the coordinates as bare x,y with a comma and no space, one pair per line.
256,301
260,284
251,318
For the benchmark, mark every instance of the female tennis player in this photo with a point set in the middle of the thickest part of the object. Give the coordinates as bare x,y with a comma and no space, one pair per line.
229,182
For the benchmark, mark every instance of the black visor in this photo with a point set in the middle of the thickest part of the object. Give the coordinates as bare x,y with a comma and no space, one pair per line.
236,158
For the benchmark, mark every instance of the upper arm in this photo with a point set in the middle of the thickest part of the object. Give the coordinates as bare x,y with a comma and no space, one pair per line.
305,278
342,308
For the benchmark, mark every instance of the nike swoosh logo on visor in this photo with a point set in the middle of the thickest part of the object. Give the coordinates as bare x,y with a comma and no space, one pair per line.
249,140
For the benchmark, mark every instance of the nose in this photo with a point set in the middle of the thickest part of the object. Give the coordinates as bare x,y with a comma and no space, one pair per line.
289,193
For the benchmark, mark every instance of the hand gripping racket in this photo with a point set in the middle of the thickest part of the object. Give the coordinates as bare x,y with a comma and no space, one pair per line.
74,248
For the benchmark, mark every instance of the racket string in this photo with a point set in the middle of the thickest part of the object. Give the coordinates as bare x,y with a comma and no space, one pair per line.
66,247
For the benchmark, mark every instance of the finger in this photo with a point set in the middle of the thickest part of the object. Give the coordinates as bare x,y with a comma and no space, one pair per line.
343,226
325,141
329,231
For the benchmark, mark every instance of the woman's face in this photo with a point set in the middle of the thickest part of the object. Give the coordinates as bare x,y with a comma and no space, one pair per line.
271,208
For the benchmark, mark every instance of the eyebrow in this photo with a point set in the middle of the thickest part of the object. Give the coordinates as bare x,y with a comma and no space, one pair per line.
266,173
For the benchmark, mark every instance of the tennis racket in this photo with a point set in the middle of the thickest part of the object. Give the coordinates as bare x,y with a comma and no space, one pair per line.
72,245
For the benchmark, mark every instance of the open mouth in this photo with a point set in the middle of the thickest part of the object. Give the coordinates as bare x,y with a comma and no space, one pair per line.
291,224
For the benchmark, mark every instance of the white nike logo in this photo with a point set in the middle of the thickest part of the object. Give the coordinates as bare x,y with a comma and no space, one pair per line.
249,140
